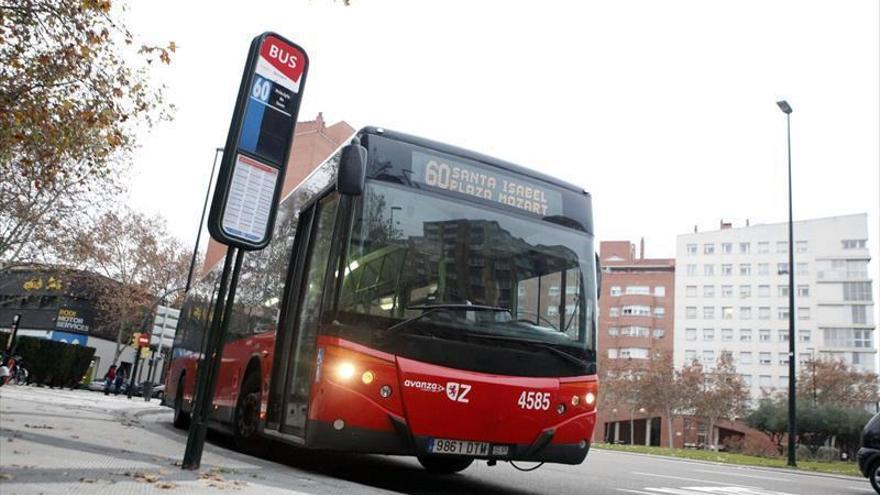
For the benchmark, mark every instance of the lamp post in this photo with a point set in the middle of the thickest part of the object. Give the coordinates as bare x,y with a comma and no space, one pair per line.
792,418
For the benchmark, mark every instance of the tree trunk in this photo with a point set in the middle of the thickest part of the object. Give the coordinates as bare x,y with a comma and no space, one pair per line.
710,435
669,426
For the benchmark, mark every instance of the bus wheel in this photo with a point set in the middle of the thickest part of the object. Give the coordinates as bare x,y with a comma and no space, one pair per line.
247,416
444,465
181,418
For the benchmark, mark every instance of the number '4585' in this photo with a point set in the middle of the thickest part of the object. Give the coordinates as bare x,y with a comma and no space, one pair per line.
534,400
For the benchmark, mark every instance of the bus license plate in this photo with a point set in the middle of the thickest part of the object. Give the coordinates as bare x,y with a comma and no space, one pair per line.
457,447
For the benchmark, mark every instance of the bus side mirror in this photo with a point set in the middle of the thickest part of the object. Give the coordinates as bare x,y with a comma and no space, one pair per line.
598,278
352,170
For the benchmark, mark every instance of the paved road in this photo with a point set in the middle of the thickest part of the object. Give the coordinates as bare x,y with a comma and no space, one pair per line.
81,442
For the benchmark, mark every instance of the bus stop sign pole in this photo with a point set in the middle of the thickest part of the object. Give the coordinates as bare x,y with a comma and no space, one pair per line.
245,201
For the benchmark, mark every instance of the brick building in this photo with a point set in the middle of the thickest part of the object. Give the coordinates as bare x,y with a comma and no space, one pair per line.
636,311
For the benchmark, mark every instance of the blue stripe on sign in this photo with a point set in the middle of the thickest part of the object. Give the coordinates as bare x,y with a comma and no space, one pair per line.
250,125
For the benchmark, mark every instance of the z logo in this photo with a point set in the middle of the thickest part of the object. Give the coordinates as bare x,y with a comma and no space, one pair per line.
458,392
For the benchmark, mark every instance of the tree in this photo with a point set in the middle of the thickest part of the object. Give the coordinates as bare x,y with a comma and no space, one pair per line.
828,381
141,263
722,395
74,92
771,419
664,389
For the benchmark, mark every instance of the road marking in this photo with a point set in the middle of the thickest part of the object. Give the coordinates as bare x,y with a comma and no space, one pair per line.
692,479
776,478
703,490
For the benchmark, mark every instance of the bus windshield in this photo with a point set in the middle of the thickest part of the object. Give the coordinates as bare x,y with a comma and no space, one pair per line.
421,256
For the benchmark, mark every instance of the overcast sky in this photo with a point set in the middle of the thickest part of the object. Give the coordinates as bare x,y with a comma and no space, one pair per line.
664,110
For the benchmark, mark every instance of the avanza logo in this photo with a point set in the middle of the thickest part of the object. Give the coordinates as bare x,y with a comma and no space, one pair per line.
424,386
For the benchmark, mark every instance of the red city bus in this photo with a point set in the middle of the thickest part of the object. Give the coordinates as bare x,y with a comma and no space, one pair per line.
447,311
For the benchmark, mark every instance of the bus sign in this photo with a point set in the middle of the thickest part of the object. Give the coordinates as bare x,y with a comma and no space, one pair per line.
258,144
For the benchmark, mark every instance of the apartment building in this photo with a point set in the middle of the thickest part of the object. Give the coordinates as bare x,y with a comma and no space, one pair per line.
732,287
635,320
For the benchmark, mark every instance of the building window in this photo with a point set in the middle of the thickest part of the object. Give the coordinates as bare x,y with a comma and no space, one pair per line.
745,358
763,291
803,291
747,380
726,291
638,290
727,335
765,358
783,380
690,291
745,313
612,353
553,290
634,353
659,312
765,380
659,291
855,243
745,291
614,312
764,335
727,312
708,291
708,357
634,331
763,268
615,290
856,269
764,313
727,270
805,336
690,312
708,248
745,335
800,246
636,311
612,331
849,337
690,356
782,313
782,358
553,310
802,268
856,291
804,358
783,335
708,334
690,334
726,248
692,249
709,270
763,247
782,246
783,290
692,270
860,315
803,313
745,269
782,268
708,312
659,333
744,248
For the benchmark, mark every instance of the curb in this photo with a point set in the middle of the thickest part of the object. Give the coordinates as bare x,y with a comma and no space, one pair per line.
766,469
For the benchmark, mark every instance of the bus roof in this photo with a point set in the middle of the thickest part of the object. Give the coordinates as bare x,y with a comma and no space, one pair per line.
473,155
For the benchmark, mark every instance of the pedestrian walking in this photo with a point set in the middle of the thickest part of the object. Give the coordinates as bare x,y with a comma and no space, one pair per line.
119,381
109,378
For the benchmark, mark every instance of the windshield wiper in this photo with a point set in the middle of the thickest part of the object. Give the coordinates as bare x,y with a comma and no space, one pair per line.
534,343
433,308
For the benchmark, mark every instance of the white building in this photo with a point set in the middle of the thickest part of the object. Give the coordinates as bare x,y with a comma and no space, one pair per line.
731,289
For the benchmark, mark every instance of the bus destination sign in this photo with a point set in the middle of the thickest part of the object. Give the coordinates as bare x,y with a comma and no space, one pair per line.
484,182
258,144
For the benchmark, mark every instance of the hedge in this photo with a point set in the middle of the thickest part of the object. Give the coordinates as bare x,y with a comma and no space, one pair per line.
53,363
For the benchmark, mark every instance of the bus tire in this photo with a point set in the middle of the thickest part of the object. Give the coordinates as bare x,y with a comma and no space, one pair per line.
444,465
246,419
181,417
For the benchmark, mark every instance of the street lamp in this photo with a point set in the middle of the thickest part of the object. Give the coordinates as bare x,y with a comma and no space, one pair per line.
792,418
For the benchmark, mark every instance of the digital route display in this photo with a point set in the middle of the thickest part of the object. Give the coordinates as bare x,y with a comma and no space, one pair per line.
258,144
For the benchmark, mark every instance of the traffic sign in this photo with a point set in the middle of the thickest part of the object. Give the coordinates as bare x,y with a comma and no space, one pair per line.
258,143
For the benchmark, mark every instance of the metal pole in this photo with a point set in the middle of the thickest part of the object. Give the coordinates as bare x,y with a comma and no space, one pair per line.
210,362
192,262
10,346
792,399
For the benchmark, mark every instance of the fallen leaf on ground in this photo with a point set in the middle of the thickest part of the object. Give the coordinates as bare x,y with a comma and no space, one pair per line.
166,485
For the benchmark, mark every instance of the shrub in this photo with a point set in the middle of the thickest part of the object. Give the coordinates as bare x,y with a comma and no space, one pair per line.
52,363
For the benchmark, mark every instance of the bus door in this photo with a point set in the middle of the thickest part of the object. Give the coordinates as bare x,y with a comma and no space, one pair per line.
307,296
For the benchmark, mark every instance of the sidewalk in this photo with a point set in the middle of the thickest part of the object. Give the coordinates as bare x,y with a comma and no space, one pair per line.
63,441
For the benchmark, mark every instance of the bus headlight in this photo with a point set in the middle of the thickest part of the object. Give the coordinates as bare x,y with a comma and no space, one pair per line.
590,398
367,377
345,370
